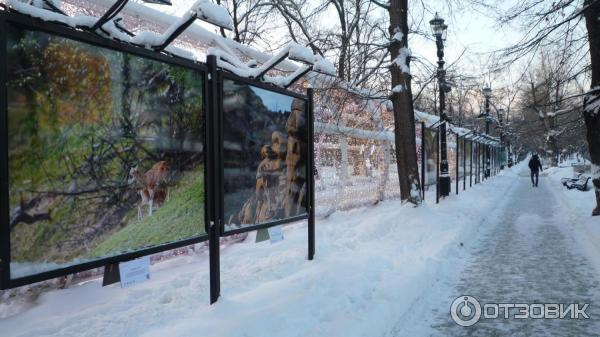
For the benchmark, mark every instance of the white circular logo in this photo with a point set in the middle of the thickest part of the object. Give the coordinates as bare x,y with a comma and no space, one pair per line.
465,310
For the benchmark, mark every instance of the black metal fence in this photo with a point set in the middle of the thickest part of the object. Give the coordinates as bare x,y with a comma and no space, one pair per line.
471,154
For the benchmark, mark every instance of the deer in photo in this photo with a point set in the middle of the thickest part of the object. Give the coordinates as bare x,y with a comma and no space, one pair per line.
152,185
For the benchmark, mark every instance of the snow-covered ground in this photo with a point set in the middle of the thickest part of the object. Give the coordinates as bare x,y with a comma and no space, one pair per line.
542,251
379,271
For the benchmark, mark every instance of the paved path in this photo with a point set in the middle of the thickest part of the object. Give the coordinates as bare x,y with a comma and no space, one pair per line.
529,257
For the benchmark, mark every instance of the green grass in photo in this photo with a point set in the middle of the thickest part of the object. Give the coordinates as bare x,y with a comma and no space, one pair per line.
179,218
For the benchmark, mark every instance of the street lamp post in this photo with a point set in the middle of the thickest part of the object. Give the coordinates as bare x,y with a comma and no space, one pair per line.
439,32
503,151
487,92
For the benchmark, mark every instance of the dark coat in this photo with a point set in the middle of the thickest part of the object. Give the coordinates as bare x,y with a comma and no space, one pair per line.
534,164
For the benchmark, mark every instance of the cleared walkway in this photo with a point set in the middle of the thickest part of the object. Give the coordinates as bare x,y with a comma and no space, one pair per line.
529,257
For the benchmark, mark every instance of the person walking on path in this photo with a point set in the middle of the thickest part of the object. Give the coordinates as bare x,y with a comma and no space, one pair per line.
535,166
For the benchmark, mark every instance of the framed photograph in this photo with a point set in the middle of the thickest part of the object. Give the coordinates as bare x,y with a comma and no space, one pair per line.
430,148
266,155
104,151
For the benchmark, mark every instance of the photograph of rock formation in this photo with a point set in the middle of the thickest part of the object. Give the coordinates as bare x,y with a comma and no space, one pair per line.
265,146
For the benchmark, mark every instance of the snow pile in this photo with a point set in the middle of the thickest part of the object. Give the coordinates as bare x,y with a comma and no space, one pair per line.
372,265
212,13
402,60
229,61
398,89
202,9
592,101
429,119
149,39
398,35
300,53
323,65
578,206
33,11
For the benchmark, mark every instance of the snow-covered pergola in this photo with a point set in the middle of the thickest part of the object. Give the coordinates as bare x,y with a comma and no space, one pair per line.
291,63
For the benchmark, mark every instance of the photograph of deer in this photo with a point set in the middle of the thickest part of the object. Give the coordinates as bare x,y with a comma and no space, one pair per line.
105,152
152,186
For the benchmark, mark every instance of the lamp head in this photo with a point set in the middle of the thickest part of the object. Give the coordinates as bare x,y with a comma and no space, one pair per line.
487,92
438,28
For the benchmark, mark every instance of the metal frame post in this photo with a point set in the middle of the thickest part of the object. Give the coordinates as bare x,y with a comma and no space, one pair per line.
311,185
423,159
215,167
4,203
494,160
486,154
482,162
464,163
478,157
474,160
437,167
457,161
483,147
470,163
492,163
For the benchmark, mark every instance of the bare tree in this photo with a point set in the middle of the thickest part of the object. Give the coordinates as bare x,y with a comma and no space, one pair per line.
402,101
249,18
592,99
551,23
353,37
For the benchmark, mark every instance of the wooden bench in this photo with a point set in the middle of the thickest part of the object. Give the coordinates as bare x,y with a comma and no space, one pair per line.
580,183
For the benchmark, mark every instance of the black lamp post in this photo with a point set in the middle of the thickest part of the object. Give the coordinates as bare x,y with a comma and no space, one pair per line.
503,142
487,92
439,29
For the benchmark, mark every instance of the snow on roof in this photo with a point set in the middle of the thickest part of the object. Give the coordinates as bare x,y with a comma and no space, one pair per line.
323,65
433,121
424,117
212,13
46,15
230,50
300,53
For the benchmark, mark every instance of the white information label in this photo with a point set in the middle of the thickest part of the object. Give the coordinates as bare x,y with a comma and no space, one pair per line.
275,234
134,271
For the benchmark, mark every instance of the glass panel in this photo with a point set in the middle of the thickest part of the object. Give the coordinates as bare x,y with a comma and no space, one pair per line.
265,155
451,161
468,156
431,147
459,164
105,152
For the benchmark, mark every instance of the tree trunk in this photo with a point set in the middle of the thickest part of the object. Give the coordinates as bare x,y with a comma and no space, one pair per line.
591,109
404,117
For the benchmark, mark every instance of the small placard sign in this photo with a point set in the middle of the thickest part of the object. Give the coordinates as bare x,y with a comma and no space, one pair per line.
134,271
275,234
